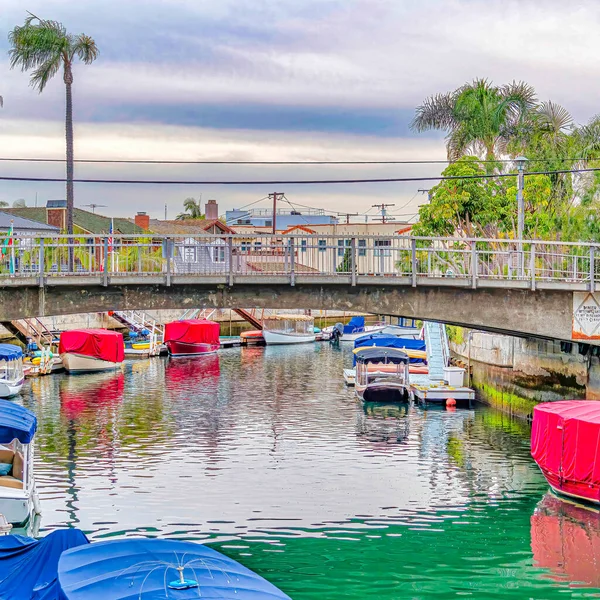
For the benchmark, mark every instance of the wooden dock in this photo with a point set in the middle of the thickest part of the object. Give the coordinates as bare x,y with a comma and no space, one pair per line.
427,391
349,375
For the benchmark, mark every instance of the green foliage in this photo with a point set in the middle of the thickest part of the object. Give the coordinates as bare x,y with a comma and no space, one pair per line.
192,210
346,265
456,334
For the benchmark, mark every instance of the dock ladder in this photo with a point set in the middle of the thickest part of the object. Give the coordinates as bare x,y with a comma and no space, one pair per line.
139,321
438,352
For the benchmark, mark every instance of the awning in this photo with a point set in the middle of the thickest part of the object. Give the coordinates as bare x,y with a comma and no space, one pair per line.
16,422
10,352
142,569
385,355
383,340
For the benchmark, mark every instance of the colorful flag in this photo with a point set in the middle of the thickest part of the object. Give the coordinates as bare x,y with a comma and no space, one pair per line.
8,240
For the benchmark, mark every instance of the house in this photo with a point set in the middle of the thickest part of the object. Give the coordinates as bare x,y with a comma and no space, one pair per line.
24,228
263,217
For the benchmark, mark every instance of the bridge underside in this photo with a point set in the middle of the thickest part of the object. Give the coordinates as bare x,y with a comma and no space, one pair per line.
541,313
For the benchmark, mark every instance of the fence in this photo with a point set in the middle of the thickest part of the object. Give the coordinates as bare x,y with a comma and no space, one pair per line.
347,258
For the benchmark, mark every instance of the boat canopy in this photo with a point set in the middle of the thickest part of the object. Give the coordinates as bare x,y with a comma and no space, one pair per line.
16,422
192,331
10,352
97,343
146,568
28,567
565,438
383,340
377,355
355,324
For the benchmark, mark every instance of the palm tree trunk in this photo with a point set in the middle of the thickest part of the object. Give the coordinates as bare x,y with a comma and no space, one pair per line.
69,139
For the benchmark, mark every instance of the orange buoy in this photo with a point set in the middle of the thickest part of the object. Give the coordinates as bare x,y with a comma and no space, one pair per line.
450,402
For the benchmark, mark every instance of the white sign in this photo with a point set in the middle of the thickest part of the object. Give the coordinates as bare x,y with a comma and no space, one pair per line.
586,316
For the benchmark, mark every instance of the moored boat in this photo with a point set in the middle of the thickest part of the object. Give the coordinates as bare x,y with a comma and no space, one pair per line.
356,328
252,337
565,438
11,370
382,375
91,350
17,486
192,337
288,329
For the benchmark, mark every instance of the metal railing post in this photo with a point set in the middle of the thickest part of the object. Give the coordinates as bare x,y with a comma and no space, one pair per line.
105,262
592,269
42,261
474,265
413,250
353,262
230,259
532,265
168,248
292,262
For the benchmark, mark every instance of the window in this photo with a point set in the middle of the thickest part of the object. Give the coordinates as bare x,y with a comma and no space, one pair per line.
322,245
189,254
268,223
245,246
257,245
219,254
302,245
362,247
342,245
382,247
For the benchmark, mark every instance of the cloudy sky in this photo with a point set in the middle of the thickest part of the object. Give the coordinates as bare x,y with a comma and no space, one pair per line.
277,80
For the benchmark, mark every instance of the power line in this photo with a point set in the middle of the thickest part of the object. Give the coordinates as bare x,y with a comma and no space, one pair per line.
295,182
278,162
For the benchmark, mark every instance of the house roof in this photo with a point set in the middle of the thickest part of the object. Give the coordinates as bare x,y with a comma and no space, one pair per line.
300,227
22,224
83,219
187,226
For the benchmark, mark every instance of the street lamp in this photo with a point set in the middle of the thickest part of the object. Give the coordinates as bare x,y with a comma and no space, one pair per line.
521,163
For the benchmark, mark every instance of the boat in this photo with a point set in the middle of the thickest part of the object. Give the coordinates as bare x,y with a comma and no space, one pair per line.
91,350
382,375
192,337
565,438
288,329
254,336
12,375
18,498
356,328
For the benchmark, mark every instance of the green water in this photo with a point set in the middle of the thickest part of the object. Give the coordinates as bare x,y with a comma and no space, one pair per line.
264,454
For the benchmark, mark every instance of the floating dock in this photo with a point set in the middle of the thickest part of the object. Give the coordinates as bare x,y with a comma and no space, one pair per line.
230,342
349,375
427,391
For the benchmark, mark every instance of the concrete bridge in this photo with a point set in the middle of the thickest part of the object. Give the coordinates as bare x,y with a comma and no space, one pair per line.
526,288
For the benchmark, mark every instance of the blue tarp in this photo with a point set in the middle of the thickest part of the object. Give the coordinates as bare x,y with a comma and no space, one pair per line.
389,341
16,422
137,569
355,324
10,352
28,567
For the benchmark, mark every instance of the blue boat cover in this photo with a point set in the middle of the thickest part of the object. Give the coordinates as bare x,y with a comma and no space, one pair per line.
354,325
141,569
28,567
16,422
10,352
383,340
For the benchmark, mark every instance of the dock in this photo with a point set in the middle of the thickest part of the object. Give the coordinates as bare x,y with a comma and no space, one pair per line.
427,391
349,375
230,342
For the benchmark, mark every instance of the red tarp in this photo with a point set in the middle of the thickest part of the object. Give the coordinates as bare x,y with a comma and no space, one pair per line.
97,343
565,443
192,331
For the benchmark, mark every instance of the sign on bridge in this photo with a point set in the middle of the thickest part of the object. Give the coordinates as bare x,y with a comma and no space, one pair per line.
586,316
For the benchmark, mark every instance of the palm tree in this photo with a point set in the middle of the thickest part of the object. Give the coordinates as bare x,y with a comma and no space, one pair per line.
479,117
46,46
192,210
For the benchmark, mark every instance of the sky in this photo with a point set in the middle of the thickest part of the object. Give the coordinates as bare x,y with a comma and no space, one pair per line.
298,80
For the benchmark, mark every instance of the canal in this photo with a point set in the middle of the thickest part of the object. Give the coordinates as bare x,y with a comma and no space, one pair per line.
263,453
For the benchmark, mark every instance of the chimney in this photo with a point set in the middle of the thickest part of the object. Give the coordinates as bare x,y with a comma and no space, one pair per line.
142,220
56,213
212,210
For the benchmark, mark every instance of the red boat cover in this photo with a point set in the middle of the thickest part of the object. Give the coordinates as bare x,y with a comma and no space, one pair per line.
565,441
97,343
192,331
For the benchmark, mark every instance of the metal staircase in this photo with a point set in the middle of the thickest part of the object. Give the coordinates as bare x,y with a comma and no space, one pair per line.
198,313
438,354
30,329
138,321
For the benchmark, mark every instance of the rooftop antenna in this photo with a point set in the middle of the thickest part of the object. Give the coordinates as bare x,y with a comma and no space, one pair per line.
92,206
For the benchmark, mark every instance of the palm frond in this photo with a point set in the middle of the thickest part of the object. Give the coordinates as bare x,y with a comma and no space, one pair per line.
42,75
553,117
85,48
436,112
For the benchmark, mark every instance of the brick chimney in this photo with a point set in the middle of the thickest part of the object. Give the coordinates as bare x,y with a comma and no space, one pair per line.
211,210
142,220
56,213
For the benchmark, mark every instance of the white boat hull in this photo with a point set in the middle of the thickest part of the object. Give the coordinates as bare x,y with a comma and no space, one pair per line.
274,338
10,388
383,391
78,363
16,505
351,337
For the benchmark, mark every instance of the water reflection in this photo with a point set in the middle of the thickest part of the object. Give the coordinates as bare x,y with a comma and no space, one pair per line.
565,538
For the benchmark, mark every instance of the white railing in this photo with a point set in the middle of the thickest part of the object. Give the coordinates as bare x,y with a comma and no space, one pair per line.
353,259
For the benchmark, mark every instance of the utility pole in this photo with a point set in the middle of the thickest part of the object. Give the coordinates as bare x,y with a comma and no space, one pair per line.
275,196
521,162
348,215
165,211
428,192
382,208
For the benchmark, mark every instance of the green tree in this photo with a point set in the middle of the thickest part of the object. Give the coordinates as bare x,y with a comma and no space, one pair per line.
192,210
479,117
20,203
44,47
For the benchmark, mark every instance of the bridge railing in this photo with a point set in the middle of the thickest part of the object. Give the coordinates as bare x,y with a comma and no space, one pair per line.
347,258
